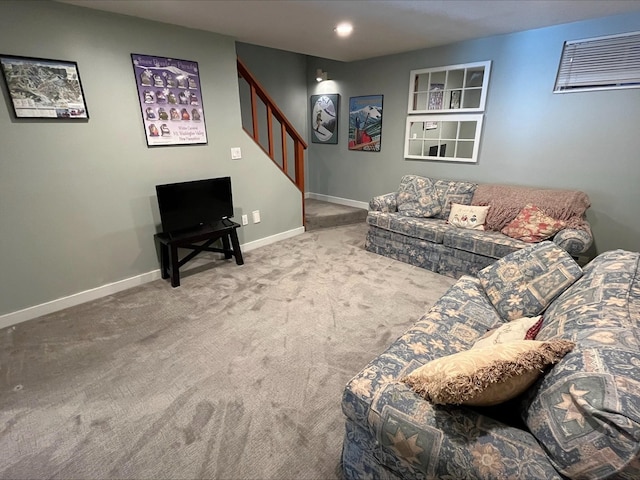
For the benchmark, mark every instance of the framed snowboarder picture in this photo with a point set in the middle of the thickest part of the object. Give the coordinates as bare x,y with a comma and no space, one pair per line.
365,123
324,118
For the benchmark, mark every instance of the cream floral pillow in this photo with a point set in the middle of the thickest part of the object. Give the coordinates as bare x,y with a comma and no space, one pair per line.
468,216
514,330
486,376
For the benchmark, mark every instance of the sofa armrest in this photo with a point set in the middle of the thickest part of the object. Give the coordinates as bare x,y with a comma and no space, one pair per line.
384,203
575,240
417,439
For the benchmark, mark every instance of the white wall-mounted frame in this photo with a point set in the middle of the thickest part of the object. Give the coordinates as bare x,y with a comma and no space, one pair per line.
452,138
449,89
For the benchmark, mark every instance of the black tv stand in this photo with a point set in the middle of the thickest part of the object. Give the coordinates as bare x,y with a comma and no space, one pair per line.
169,243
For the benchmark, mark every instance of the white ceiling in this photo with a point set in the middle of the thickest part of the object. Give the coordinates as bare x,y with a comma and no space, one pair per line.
381,27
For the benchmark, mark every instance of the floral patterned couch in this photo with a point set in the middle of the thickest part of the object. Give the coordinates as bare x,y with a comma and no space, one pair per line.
429,242
580,420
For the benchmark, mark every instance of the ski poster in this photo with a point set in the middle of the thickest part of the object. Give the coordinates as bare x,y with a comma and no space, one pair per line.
365,123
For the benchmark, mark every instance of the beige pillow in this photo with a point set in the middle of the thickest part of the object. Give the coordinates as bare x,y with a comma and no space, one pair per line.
486,376
510,331
467,216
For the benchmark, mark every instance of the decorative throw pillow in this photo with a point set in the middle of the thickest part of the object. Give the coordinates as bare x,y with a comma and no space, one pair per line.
509,332
532,333
532,225
417,197
450,192
467,216
525,282
486,376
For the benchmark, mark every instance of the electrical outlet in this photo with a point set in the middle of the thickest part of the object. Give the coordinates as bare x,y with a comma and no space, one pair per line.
256,216
236,153
245,219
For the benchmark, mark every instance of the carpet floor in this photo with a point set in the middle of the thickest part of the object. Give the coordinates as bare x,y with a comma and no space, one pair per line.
237,374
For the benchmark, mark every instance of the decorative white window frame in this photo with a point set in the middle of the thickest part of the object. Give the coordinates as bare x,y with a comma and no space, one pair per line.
442,109
467,80
432,134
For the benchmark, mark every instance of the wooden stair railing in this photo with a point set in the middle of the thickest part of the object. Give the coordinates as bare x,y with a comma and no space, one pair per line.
286,131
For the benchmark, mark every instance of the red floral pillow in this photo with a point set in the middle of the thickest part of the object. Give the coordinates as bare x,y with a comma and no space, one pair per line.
532,225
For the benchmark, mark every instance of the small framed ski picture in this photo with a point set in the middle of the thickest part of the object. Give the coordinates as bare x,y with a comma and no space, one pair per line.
324,118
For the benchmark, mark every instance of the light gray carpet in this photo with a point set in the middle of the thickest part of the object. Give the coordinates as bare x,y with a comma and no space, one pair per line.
237,374
319,214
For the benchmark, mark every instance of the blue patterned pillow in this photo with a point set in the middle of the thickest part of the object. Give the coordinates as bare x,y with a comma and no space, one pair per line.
417,197
450,192
525,282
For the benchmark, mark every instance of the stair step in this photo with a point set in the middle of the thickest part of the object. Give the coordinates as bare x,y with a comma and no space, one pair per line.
319,214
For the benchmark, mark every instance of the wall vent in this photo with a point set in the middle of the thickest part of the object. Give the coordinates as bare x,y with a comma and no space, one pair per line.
601,63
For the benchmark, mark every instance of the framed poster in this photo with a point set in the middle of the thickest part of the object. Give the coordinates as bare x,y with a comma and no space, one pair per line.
42,88
365,123
324,118
170,100
436,95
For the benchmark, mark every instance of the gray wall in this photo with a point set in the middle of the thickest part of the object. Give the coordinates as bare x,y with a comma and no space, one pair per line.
284,76
587,141
77,199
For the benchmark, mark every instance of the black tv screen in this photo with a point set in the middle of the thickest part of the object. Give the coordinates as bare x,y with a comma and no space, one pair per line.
189,205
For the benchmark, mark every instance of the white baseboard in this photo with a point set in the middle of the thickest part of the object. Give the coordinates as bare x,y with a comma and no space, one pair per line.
341,201
36,311
247,247
76,299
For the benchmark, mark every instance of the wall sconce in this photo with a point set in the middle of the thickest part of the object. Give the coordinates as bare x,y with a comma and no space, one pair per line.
320,75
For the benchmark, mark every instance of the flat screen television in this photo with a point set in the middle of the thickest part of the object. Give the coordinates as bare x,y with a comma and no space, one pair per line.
190,205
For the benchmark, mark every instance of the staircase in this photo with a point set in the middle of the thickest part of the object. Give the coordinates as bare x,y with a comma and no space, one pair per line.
321,214
277,137
280,133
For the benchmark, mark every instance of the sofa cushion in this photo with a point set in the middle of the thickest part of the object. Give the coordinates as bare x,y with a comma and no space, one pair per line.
586,412
525,282
450,192
467,216
488,244
532,225
488,375
417,197
429,229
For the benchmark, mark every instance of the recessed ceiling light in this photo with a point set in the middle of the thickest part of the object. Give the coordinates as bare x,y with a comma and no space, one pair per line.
344,29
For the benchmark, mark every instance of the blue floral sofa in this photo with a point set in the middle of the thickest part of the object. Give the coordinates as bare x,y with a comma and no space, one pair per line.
428,241
580,420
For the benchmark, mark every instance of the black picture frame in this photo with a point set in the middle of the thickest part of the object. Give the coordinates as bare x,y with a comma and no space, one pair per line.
171,102
33,94
325,111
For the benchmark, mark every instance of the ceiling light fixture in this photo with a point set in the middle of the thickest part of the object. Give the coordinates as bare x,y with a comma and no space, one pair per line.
344,29
320,75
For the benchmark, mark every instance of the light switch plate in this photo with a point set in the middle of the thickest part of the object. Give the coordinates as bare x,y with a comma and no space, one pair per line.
256,216
236,153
